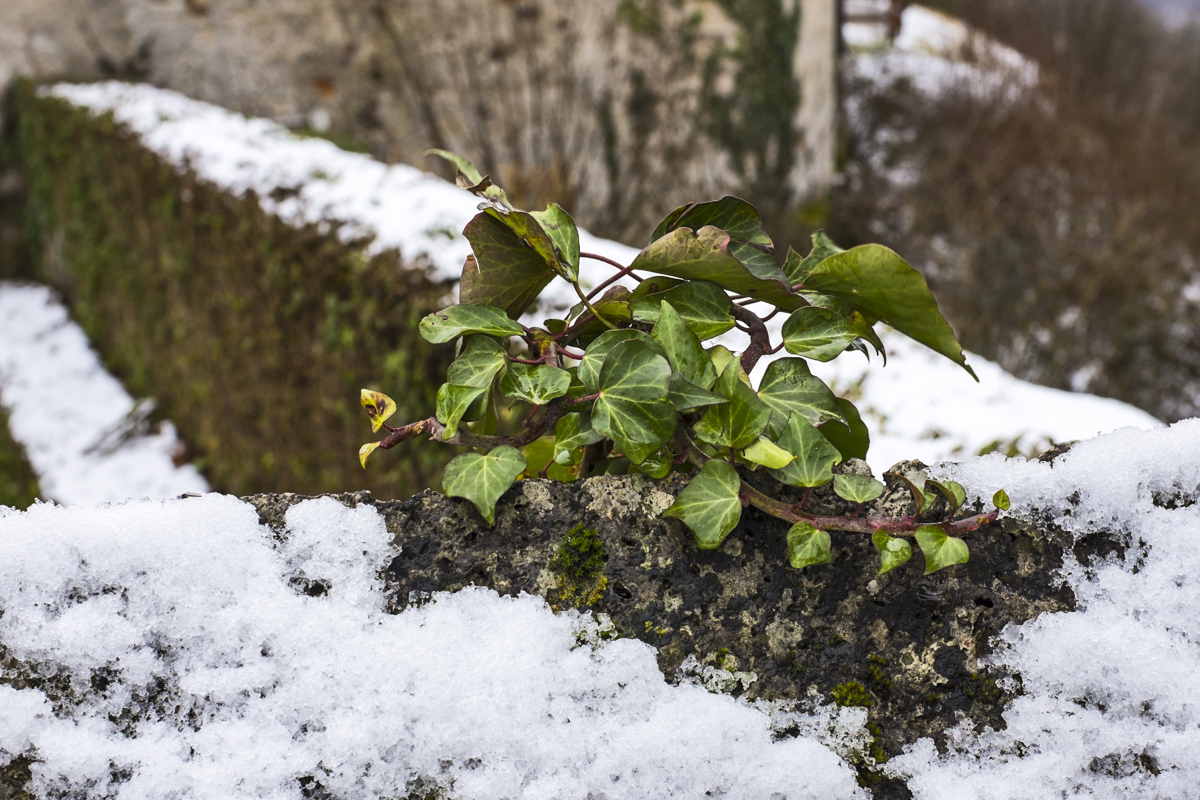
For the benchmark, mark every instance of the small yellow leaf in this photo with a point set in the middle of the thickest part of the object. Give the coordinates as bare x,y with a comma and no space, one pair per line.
767,453
379,407
365,451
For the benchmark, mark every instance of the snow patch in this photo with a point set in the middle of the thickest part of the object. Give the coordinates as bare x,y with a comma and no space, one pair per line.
84,435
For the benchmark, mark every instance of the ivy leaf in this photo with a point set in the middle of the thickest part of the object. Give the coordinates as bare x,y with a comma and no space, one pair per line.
807,546
788,387
467,379
710,504
739,422
749,242
561,229
815,456
632,408
379,407
536,384
683,349
941,550
687,396
597,352
1000,500
482,479
540,453
797,268
703,305
893,551
817,333
953,491
851,440
705,255
460,320
768,454
508,274
721,356
883,286
657,465
530,231
365,451
574,431
857,488
613,305
464,166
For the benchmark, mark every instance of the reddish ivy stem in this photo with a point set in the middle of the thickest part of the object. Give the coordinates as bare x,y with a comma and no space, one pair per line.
551,413
610,281
789,512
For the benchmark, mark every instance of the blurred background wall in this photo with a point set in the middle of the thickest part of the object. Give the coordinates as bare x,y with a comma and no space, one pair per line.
617,109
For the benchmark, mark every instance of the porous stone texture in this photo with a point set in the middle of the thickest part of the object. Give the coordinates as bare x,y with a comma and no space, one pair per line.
906,646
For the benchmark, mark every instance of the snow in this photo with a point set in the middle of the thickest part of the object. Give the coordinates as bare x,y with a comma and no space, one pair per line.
246,685
924,406
83,434
936,53
261,685
401,206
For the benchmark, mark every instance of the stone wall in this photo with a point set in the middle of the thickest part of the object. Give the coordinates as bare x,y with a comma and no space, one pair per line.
620,110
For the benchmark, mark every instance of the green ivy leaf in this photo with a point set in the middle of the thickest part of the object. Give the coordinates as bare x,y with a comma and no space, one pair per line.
464,166
892,551
683,349
657,465
686,396
710,505
815,456
797,268
633,409
540,453
561,229
705,255
883,286
461,320
505,272
467,379
527,228
739,422
1000,500
788,387
536,384
851,441
857,488
574,431
953,491
817,333
941,550
807,546
597,352
703,305
749,242
768,454
482,479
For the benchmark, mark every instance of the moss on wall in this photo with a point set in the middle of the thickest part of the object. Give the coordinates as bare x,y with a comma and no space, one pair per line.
18,481
253,335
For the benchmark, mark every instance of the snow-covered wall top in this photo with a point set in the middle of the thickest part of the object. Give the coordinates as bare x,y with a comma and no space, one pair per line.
920,406
193,601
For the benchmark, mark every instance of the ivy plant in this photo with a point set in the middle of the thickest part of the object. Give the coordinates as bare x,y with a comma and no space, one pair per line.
628,380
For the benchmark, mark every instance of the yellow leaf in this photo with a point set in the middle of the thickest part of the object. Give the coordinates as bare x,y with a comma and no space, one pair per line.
365,451
379,407
767,453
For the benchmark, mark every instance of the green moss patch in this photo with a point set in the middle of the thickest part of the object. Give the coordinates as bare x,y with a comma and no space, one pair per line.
579,563
254,336
18,481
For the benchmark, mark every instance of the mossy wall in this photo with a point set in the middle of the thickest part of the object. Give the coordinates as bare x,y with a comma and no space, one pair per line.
254,336
18,481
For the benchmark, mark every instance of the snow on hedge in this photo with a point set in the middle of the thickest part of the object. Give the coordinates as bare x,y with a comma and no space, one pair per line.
84,435
241,686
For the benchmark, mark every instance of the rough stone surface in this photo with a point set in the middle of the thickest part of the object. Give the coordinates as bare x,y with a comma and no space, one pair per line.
906,646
